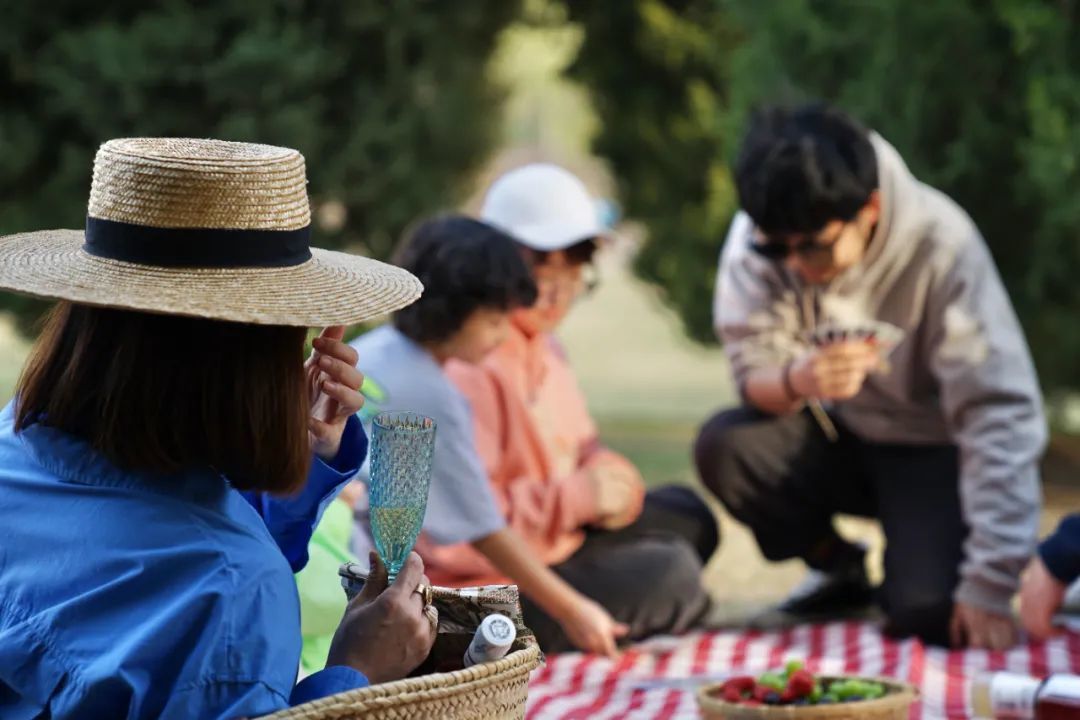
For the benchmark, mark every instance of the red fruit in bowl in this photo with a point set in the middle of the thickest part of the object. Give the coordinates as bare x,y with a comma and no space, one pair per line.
731,694
762,691
801,684
788,696
743,684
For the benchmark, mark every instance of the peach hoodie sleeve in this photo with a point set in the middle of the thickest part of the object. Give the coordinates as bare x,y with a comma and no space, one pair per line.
569,410
538,507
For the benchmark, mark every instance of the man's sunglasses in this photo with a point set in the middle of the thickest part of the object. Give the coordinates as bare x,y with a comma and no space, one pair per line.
809,248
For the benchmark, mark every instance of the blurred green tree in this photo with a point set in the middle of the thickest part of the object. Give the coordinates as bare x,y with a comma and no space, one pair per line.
390,102
981,98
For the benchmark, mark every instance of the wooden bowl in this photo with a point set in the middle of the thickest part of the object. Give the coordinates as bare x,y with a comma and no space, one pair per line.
895,704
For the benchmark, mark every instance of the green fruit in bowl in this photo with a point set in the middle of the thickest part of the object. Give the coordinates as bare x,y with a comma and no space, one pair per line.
773,680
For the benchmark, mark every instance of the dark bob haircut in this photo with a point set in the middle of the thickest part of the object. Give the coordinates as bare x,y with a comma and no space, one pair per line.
162,394
464,265
799,169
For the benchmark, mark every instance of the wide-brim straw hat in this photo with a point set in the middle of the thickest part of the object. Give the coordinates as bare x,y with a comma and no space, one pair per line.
204,228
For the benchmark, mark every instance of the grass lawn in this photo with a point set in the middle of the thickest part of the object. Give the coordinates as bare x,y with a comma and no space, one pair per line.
661,450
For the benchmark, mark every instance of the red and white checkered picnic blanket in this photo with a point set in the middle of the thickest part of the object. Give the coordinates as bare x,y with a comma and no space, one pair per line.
580,686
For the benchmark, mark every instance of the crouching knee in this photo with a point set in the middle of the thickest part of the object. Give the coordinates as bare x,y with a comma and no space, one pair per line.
716,454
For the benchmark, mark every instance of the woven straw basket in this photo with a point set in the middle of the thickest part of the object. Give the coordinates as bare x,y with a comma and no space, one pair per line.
496,691
895,705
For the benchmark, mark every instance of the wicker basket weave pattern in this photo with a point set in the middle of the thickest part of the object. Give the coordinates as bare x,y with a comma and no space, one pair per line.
492,691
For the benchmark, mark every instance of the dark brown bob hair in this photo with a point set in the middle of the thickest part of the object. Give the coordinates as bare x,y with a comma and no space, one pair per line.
162,393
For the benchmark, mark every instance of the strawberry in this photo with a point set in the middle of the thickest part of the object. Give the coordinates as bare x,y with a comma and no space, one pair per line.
800,684
745,683
731,694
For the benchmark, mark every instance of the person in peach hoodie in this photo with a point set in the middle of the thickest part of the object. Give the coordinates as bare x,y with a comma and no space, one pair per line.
473,276
582,508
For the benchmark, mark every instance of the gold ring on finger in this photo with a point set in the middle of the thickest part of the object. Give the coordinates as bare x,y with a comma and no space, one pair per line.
426,593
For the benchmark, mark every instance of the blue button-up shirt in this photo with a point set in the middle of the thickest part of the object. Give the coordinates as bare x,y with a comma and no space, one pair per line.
139,596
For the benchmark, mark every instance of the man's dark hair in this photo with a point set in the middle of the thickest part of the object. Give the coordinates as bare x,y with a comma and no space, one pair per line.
464,265
800,168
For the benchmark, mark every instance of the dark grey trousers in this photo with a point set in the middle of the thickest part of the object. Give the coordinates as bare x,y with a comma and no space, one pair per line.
647,575
786,481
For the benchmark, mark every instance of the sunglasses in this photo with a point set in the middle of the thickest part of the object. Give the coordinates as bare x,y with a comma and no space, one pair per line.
810,249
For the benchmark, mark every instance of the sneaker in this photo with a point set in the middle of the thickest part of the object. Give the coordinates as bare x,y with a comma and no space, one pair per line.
838,593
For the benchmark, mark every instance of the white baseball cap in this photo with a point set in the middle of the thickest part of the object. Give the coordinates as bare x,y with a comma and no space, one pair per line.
542,206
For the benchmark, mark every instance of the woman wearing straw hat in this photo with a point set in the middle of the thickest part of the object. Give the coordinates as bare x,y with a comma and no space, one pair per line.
135,580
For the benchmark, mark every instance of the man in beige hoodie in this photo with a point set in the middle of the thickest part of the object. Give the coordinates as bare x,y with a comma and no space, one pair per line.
938,438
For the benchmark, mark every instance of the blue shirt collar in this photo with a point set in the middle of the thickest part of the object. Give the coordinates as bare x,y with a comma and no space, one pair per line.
73,460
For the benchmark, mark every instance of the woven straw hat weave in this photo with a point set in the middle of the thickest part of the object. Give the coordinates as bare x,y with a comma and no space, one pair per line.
184,192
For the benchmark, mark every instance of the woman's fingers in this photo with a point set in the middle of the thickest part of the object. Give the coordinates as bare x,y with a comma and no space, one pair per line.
336,348
333,332
341,372
376,581
408,580
349,401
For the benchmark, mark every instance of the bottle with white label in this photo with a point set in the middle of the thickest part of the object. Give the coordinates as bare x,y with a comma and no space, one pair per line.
492,640
1011,696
